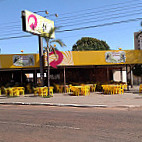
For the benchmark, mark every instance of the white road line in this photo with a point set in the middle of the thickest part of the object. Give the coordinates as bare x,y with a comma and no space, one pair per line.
40,125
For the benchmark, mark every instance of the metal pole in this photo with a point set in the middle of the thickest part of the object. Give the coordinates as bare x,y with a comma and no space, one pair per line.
127,78
21,78
107,74
48,71
41,60
121,75
64,79
131,76
35,78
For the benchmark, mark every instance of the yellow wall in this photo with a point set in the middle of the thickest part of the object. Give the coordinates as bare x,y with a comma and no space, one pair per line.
78,58
6,61
98,57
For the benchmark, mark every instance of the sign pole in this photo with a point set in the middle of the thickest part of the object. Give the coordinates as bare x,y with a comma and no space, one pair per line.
48,70
41,60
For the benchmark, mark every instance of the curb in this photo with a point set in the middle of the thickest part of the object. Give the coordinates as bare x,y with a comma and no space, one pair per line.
52,104
70,105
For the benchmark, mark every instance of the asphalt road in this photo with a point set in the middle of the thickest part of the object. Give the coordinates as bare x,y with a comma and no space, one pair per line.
60,124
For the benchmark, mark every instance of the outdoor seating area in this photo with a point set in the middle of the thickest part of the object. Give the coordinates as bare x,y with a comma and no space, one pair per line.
78,89
114,88
14,91
17,91
43,91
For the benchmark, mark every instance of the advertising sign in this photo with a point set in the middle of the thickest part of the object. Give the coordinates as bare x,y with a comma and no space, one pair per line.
63,58
36,24
23,61
115,57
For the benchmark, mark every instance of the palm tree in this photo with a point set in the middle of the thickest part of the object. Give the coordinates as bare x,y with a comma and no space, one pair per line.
49,41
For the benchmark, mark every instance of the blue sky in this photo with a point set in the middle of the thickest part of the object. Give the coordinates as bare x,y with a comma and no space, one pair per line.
72,14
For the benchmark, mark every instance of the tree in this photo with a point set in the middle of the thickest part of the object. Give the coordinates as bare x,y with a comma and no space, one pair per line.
51,47
88,43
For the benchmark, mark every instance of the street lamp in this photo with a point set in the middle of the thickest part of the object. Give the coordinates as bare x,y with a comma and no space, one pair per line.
22,51
46,12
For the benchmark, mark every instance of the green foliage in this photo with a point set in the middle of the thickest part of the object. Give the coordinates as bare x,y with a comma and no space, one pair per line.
49,41
88,43
137,70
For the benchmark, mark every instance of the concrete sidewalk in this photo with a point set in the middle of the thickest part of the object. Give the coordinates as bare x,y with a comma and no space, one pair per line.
129,99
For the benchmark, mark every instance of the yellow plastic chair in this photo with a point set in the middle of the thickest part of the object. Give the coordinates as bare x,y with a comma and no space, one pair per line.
140,88
93,88
21,90
85,90
68,89
6,91
118,90
115,90
61,88
29,90
44,91
36,91
110,89
75,91
13,91
51,90
125,86
57,87
0,92
121,89
105,89
16,91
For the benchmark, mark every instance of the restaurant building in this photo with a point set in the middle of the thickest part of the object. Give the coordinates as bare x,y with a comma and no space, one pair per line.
70,67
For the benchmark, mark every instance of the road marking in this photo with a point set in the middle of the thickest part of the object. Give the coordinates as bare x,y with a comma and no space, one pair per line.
41,125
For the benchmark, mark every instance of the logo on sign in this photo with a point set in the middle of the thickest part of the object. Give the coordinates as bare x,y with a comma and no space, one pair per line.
33,24
58,61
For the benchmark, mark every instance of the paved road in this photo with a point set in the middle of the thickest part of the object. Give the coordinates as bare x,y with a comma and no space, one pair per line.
57,124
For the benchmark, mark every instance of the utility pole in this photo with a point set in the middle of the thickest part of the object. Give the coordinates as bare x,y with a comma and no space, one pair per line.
41,60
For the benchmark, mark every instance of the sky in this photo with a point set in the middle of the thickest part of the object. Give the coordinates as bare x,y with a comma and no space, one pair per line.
113,21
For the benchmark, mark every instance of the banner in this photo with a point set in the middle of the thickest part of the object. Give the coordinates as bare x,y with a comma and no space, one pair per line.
115,57
19,60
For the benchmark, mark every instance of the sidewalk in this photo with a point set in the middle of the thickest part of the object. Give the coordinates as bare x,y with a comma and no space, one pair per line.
129,99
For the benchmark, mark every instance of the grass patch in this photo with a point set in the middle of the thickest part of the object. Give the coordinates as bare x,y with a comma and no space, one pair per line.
47,96
12,96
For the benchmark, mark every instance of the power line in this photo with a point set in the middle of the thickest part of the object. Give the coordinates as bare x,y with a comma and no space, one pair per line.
7,23
12,33
10,30
97,13
80,28
14,37
101,25
100,19
10,26
18,26
98,32
87,26
80,11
